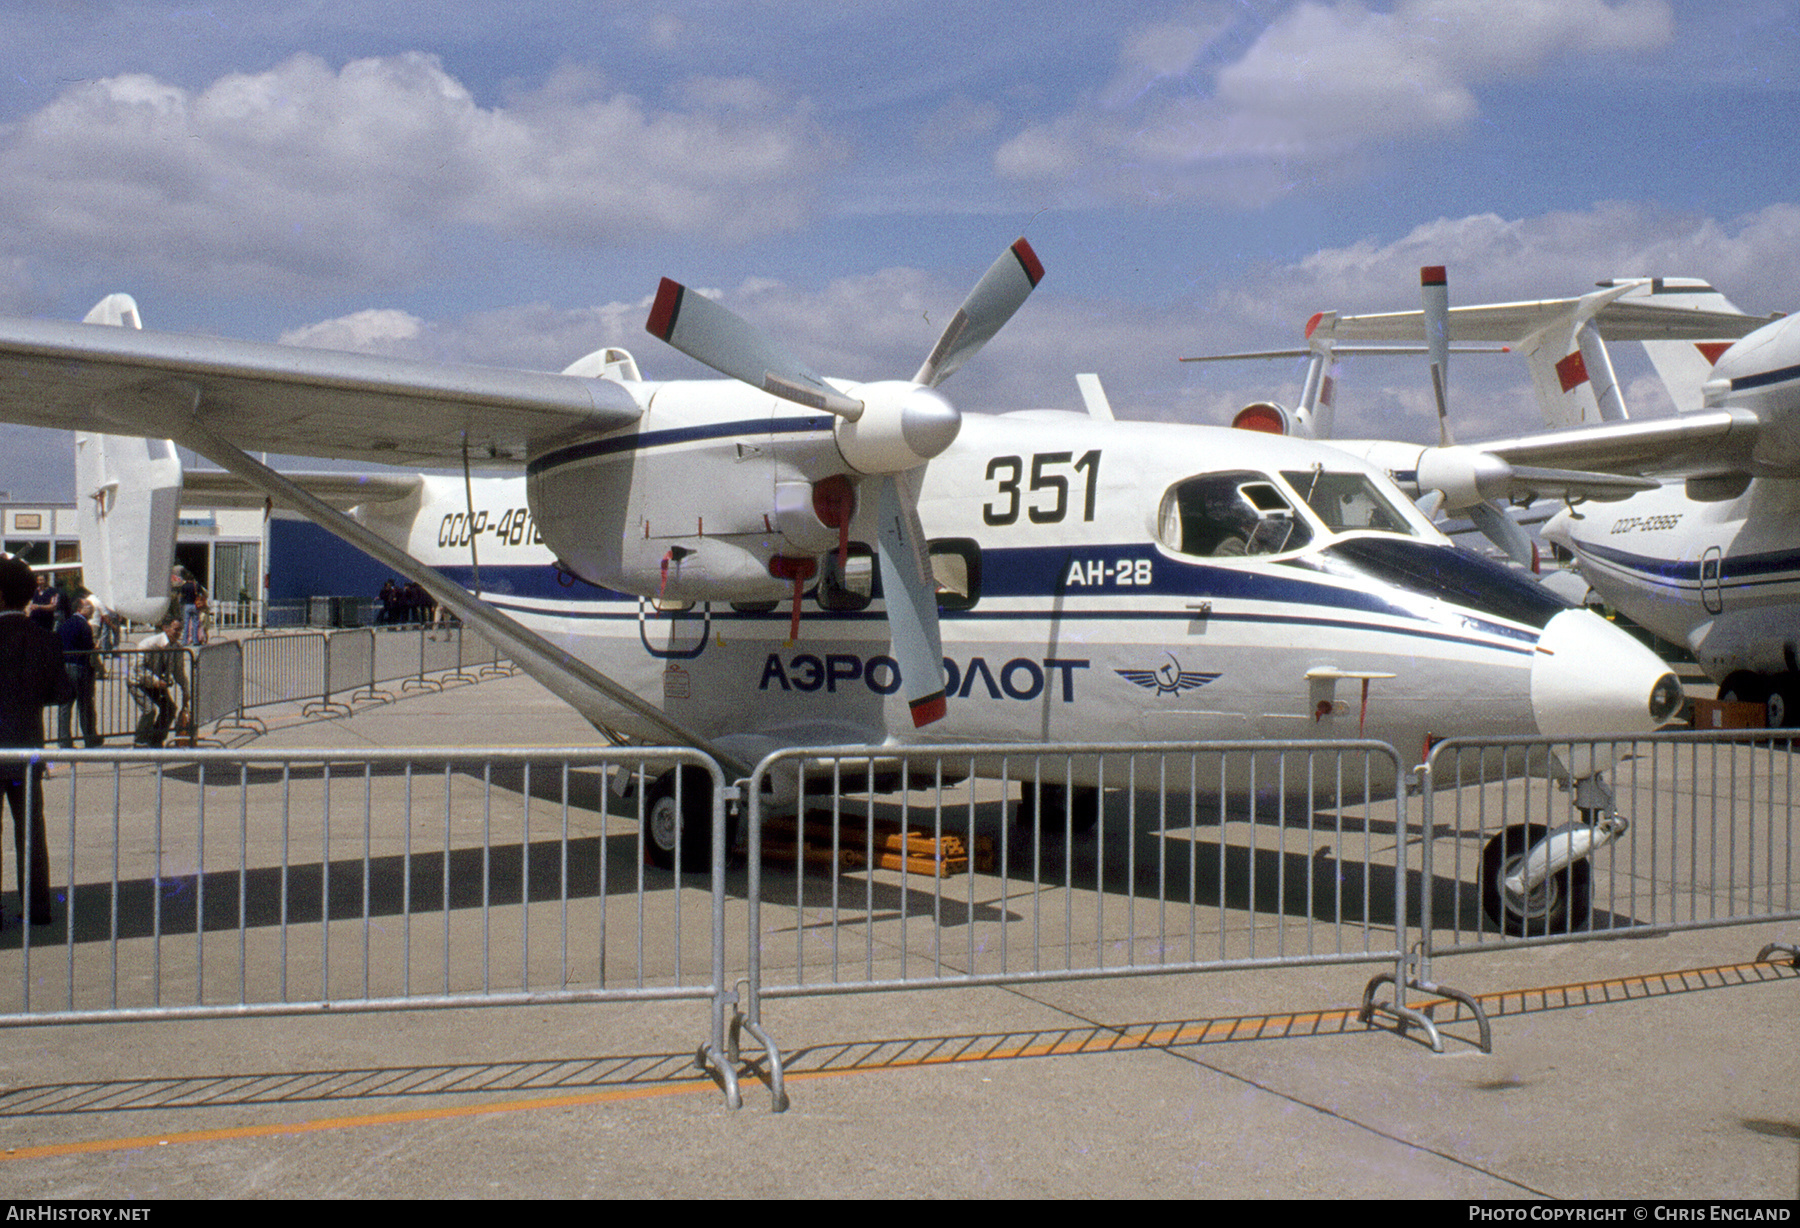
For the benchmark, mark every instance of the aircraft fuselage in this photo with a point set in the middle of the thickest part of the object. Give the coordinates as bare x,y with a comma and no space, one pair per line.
1089,590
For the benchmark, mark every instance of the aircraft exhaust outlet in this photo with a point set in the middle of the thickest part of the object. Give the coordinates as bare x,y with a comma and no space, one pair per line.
1264,416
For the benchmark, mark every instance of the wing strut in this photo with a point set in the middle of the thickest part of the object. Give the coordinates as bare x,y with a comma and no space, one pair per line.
571,679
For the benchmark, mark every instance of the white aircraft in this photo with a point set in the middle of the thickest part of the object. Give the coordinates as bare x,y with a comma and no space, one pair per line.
1710,558
781,560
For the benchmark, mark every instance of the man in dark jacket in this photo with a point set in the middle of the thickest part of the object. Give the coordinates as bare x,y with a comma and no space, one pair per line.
78,659
31,678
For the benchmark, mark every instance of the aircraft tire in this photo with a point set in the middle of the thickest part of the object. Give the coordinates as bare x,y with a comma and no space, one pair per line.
1744,687
1784,702
660,826
1082,815
1560,906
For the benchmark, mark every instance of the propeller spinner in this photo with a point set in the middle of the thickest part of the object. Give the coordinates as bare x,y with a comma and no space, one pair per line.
887,429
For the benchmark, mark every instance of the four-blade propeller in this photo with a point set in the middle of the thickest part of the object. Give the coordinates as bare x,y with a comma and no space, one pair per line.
886,429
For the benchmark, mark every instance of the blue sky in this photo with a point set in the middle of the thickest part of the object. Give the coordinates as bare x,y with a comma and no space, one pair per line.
505,183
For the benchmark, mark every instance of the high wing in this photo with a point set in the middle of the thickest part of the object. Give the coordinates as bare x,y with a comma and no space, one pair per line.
1626,319
1710,441
283,399
1683,323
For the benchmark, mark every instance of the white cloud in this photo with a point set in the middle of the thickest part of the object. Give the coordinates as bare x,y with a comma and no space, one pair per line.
307,176
1314,95
378,330
1494,259
1491,259
880,325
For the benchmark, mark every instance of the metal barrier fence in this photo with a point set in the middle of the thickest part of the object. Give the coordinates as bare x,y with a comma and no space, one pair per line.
284,668
228,883
1210,856
226,677
116,710
1676,831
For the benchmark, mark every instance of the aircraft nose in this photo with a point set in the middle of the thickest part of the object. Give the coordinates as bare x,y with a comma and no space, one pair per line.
1588,677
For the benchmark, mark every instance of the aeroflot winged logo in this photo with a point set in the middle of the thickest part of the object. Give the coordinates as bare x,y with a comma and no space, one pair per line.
1168,679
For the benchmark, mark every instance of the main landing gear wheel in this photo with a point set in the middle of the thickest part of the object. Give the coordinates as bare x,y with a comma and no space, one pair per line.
1559,905
1082,812
690,817
1784,701
1744,687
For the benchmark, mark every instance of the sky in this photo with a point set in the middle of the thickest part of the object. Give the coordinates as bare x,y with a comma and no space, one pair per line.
505,183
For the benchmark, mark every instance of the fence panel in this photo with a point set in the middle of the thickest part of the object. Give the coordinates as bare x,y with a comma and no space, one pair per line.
441,649
1209,856
1708,836
283,668
215,883
398,653
218,673
349,664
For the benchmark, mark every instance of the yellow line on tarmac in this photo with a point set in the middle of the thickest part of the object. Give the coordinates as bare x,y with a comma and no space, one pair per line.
1091,1040
343,1123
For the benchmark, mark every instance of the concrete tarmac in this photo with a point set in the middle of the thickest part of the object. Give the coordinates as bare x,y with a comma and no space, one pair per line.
1659,1067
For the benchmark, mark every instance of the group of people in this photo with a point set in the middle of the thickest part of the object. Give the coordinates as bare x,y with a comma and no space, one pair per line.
90,635
405,603
52,647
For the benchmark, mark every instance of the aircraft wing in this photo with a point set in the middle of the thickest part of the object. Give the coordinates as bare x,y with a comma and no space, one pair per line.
1710,441
1623,319
286,399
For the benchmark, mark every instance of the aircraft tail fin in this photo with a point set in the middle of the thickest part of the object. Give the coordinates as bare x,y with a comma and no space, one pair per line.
130,498
1318,395
1684,365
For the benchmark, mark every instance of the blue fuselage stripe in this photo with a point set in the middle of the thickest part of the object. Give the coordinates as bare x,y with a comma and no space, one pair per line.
1762,379
1741,570
643,441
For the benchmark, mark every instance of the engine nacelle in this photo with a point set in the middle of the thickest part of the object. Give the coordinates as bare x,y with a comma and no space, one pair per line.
1466,476
700,518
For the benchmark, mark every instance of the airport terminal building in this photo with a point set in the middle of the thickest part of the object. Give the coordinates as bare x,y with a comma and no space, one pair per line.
226,549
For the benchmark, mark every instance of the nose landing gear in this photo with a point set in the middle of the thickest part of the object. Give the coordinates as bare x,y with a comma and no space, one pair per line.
1537,881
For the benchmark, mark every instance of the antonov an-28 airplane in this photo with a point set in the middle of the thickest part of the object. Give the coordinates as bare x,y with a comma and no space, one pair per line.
779,559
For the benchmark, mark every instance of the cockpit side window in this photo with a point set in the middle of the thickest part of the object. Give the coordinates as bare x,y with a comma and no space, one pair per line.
1227,515
1347,501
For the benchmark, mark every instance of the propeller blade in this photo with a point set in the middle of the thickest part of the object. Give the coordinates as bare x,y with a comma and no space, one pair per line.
1499,528
702,329
911,594
1008,282
1434,297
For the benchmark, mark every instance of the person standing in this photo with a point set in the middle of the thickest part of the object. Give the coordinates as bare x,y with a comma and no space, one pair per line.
42,606
79,661
191,596
31,678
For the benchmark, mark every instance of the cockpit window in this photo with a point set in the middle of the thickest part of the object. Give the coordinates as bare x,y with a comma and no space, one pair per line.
1455,576
1226,515
1346,501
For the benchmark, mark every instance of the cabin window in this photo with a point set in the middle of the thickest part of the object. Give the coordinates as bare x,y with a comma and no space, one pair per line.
849,588
956,569
1347,501
1230,515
